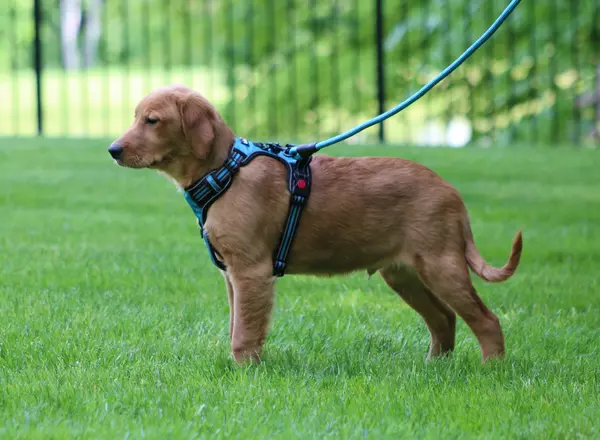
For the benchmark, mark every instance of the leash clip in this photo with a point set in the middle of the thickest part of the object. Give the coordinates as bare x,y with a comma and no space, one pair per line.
303,151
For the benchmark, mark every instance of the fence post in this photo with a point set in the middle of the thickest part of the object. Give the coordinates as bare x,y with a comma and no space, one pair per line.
37,63
380,64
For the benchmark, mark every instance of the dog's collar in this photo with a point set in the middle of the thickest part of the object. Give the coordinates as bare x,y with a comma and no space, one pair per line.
204,192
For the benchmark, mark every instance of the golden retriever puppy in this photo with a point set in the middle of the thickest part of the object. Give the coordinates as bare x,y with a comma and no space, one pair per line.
385,215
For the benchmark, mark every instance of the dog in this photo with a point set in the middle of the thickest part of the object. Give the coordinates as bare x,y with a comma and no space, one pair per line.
378,214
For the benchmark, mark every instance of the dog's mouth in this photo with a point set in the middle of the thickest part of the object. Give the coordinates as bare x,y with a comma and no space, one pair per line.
138,162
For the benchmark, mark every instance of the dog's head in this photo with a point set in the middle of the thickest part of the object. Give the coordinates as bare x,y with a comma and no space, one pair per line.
173,126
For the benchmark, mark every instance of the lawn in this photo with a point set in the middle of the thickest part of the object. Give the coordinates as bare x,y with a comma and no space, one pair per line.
113,322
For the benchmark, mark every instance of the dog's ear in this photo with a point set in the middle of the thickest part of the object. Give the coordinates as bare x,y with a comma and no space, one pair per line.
198,119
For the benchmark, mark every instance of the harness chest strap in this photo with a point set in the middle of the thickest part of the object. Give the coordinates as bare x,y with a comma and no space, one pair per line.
203,193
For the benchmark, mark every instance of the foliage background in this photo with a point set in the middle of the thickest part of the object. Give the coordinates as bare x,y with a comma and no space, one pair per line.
308,68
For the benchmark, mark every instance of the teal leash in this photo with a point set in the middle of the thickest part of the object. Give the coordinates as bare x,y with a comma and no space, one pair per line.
302,151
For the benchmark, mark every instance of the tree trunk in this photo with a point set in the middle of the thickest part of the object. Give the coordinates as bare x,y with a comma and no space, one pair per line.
596,130
70,22
93,30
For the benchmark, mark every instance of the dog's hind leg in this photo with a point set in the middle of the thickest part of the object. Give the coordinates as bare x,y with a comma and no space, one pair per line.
448,277
440,319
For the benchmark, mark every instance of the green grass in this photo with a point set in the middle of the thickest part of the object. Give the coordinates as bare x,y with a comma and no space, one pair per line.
113,322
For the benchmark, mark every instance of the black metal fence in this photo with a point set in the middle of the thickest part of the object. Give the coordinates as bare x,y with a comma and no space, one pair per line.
299,70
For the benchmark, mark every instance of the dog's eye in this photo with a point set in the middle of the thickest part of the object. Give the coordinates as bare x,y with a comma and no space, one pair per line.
151,121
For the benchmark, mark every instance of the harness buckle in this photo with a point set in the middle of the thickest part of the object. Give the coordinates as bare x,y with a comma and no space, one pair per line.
298,199
213,183
279,268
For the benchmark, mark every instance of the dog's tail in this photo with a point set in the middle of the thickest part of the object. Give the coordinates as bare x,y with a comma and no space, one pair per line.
486,272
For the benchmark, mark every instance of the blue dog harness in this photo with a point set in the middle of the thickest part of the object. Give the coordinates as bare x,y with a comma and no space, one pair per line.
203,193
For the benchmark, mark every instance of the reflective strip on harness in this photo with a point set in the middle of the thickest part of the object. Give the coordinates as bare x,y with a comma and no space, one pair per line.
296,207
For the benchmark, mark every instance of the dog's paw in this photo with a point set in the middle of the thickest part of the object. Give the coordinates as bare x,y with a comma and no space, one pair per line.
247,355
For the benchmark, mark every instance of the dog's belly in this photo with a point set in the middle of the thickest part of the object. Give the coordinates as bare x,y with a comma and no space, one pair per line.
344,242
337,259
367,213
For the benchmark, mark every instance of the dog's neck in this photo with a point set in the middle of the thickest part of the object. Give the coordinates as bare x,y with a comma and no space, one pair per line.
190,169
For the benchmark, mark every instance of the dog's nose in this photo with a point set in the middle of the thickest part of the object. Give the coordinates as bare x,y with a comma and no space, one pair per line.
115,151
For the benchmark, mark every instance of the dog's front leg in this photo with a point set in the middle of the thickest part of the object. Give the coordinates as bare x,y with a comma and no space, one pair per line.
230,294
253,289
